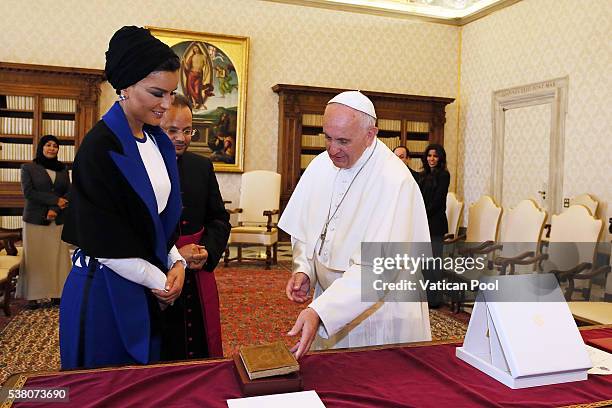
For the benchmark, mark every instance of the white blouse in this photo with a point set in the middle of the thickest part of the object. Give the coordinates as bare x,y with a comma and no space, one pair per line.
139,270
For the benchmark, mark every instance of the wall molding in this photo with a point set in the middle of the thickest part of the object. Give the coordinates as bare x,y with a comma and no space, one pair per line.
553,92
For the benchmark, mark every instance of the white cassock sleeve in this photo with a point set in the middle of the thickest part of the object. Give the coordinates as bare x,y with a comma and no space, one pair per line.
300,261
340,303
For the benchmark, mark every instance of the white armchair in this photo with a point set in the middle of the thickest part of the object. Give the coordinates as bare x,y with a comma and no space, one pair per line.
454,212
257,216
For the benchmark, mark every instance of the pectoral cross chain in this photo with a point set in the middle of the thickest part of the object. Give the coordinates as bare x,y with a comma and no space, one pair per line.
322,236
324,233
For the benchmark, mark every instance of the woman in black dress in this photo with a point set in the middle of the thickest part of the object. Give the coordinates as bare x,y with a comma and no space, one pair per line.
434,182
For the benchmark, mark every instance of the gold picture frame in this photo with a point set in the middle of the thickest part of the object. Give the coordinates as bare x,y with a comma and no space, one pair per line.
213,76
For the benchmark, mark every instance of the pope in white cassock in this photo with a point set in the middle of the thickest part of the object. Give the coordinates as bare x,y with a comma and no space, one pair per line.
358,191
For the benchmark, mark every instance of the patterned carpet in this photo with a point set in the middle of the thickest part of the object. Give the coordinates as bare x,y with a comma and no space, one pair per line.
254,309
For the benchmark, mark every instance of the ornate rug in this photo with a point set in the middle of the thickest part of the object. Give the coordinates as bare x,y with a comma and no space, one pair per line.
254,309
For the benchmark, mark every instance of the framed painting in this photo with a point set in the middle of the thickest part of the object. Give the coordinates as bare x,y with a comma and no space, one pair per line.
213,76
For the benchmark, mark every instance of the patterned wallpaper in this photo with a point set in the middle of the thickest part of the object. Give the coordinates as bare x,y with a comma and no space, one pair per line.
532,41
289,44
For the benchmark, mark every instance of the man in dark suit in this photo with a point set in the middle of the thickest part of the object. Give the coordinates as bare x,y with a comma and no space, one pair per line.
404,155
192,327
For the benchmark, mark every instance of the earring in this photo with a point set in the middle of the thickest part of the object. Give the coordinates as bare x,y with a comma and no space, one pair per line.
122,97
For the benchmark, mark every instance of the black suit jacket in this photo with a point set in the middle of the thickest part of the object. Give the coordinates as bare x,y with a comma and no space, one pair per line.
41,194
203,206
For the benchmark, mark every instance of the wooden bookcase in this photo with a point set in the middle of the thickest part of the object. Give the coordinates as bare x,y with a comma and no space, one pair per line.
410,120
36,100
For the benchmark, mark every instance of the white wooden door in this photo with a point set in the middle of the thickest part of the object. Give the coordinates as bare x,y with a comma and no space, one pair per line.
527,156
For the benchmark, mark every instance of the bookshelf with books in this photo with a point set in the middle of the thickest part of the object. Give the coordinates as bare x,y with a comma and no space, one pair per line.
410,120
36,100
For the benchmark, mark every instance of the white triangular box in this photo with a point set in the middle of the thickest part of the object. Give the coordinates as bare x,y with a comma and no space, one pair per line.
528,342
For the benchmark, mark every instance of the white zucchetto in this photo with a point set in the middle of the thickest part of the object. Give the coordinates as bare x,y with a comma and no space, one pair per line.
355,100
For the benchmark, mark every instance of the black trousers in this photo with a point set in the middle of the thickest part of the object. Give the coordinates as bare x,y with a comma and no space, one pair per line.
435,274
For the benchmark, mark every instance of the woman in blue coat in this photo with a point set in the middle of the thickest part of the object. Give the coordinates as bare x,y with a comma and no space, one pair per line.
124,208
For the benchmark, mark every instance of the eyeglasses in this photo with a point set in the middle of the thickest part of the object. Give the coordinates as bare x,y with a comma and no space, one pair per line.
186,132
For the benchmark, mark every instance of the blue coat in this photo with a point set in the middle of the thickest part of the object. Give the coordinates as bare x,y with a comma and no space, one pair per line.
104,318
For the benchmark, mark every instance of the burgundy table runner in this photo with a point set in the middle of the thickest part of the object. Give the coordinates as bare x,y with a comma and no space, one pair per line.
394,377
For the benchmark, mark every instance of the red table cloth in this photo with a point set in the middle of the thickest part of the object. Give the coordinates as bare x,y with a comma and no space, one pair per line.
401,376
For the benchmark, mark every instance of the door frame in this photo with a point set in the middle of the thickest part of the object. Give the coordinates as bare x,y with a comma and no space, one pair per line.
553,92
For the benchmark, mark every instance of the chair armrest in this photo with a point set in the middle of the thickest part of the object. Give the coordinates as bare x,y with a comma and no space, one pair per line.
483,248
227,202
589,275
9,237
455,239
528,261
504,262
569,275
269,214
6,233
486,249
562,275
500,260
234,210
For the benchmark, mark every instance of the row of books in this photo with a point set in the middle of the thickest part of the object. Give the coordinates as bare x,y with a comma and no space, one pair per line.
15,151
305,160
59,105
420,127
14,175
391,142
65,153
313,140
416,146
394,125
309,119
21,151
15,126
62,128
10,175
390,124
318,141
19,102
11,221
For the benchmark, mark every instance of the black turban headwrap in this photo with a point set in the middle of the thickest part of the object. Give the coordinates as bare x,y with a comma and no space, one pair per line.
133,53
51,164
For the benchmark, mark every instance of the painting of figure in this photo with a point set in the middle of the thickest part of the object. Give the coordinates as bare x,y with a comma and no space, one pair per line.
213,77
197,75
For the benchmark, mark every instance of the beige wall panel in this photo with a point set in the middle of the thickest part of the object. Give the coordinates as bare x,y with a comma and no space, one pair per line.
532,41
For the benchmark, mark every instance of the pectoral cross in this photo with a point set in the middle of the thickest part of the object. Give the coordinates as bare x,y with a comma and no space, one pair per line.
322,236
